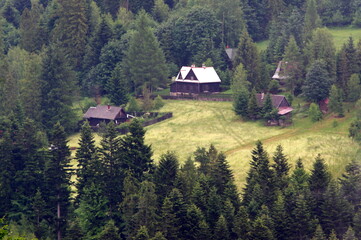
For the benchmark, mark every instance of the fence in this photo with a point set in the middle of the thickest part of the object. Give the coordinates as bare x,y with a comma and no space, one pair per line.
201,97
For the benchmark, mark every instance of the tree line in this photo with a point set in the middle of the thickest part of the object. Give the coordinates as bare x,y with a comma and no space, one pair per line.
120,193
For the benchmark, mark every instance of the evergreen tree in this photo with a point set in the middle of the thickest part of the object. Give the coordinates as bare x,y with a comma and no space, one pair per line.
267,107
57,180
242,224
169,220
280,219
357,223
165,175
350,183
333,236
195,224
187,177
58,88
247,55
319,235
314,112
142,234
111,165
71,29
240,103
221,229
317,84
261,231
143,51
312,19
253,109
319,181
336,101
110,232
349,235
136,155
336,211
293,58
146,214
354,88
117,87
87,158
281,168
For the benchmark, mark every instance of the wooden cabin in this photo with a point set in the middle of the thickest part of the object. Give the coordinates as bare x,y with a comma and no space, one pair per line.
195,80
105,113
278,101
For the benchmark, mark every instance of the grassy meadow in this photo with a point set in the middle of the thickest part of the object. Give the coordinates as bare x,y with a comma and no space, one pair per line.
199,124
340,36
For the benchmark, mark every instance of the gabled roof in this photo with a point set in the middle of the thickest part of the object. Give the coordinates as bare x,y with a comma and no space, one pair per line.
231,53
105,112
203,75
276,99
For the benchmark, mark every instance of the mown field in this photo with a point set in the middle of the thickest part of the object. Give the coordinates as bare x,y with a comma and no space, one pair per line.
199,124
340,36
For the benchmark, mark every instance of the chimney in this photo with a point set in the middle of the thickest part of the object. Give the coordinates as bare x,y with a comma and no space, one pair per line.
108,107
193,66
203,65
262,96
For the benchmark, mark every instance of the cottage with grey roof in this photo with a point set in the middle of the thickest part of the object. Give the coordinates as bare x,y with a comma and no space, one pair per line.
105,113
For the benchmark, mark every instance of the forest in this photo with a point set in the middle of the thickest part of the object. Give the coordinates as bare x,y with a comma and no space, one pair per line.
55,54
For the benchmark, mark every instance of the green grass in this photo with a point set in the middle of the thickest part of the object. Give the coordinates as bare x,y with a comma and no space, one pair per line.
199,124
340,36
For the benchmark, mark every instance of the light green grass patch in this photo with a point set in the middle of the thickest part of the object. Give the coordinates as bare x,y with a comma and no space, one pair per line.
342,34
262,45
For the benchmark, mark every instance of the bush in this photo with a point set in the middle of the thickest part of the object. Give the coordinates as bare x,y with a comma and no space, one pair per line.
133,105
314,112
158,102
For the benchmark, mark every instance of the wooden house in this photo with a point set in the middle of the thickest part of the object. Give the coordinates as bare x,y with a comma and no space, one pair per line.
195,80
105,113
278,101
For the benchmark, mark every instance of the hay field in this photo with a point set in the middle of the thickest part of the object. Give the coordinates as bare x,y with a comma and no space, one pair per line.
199,124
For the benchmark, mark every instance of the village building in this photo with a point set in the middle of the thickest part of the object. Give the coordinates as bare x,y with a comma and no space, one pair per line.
195,80
279,102
105,113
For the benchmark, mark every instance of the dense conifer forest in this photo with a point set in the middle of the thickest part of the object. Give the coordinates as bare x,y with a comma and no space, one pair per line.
56,53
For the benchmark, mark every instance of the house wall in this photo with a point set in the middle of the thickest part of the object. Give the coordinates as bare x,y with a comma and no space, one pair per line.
196,88
284,103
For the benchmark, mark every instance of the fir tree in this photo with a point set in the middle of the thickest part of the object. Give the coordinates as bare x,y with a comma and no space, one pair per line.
110,232
267,106
314,112
261,231
57,180
281,168
136,155
319,235
253,109
336,101
354,88
293,58
351,184
87,158
349,235
242,224
169,225
221,229
143,51
312,19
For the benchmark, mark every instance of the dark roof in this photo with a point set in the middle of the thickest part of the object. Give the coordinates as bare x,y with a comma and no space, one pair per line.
276,99
105,112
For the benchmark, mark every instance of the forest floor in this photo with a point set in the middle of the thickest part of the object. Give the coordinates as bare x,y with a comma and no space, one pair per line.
199,124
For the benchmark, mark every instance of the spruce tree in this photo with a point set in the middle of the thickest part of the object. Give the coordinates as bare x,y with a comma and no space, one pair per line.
261,231
319,235
349,235
267,107
314,112
351,184
253,109
242,224
221,229
57,180
87,157
193,224
240,103
281,168
312,19
143,52
354,88
110,232
165,175
169,225
136,155
58,88
293,58
336,101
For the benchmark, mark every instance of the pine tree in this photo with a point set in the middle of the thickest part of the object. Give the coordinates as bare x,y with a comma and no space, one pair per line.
280,218
111,165
319,181
57,180
312,19
110,232
349,235
253,109
319,235
336,211
71,29
194,223
87,158
169,225
146,214
187,178
267,107
165,175
117,87
221,229
357,223
247,55
354,88
336,101
261,231
58,88
317,83
281,168
242,224
143,51
136,155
